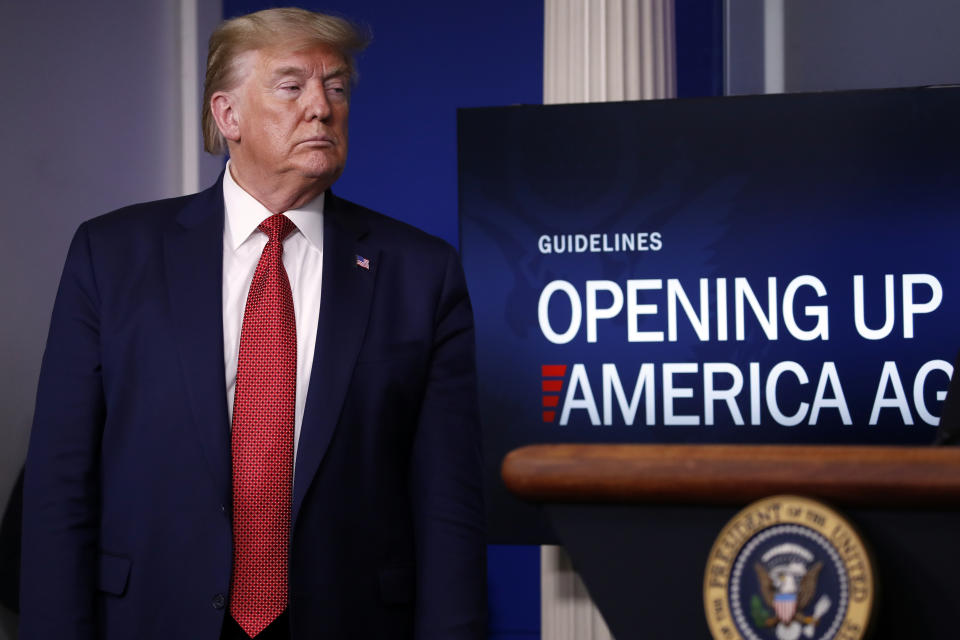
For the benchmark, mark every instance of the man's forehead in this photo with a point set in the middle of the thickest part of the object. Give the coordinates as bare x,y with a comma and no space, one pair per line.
310,58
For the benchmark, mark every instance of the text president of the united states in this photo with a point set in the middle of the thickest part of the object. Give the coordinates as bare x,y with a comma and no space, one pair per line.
256,414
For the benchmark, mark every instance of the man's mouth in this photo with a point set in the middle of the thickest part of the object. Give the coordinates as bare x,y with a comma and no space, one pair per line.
317,141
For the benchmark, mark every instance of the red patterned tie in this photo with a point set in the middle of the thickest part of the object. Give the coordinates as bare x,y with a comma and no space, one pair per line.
262,439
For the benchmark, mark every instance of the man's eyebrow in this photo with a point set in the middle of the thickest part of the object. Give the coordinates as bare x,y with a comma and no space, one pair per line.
299,72
336,72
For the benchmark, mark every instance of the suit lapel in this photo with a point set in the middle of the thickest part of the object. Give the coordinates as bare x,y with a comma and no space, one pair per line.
193,255
344,309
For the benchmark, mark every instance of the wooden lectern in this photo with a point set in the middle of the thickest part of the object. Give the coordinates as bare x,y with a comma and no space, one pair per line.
639,521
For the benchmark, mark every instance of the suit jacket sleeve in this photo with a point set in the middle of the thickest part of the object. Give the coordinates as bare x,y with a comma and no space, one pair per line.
61,489
446,477
949,431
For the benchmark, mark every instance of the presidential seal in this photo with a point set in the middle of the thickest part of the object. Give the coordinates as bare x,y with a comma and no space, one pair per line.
788,568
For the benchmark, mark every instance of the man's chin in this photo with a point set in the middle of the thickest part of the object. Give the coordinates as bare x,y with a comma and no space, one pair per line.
319,171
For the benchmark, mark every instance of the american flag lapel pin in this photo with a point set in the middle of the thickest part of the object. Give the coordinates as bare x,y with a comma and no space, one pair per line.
363,263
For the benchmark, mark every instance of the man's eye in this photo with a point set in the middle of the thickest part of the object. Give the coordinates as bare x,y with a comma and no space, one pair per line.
290,87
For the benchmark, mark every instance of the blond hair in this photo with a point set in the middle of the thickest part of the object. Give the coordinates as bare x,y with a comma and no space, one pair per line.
263,29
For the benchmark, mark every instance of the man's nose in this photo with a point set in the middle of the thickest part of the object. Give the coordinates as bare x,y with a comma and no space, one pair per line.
318,105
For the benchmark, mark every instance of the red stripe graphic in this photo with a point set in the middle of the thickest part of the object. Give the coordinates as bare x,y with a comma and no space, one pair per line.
550,401
553,370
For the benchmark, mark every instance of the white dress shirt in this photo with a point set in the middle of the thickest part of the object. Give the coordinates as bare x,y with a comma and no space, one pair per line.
302,258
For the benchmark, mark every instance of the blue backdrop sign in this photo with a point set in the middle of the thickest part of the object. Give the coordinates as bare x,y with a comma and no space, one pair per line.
751,269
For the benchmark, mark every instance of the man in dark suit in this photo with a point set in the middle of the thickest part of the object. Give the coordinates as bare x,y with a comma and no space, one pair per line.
216,453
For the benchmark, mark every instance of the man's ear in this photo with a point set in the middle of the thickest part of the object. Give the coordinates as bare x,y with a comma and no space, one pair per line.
223,105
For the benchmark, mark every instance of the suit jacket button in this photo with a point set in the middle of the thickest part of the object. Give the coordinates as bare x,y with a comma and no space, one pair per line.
218,601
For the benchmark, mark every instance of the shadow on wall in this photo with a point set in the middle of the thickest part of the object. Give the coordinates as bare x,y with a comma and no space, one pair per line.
10,562
8,624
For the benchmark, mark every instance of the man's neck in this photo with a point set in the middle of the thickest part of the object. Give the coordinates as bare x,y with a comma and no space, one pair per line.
277,195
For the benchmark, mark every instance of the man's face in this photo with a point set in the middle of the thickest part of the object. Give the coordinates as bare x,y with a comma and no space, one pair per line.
292,113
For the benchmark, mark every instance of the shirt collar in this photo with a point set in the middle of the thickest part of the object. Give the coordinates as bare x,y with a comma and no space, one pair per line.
244,213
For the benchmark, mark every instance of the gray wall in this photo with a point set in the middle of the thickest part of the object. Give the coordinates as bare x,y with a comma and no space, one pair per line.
89,121
846,44
865,44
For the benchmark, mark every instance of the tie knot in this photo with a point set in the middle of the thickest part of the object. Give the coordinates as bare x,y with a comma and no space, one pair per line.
277,227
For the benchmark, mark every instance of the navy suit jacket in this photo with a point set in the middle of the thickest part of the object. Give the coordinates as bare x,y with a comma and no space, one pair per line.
127,526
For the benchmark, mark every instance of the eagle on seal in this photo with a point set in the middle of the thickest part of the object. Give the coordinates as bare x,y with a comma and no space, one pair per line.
789,590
